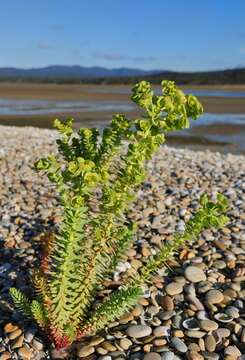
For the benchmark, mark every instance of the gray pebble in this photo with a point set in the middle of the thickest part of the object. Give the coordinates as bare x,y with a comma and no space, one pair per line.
194,274
179,345
139,331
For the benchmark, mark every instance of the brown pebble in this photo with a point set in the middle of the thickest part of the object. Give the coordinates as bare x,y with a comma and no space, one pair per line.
208,325
108,346
160,342
196,334
25,353
18,342
125,343
5,356
100,350
193,347
178,333
13,335
167,303
147,348
143,302
210,343
193,355
137,311
85,351
8,328
201,344
126,318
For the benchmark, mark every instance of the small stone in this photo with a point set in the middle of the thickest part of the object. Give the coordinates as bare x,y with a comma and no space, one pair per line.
8,328
208,325
167,355
232,311
214,297
195,334
59,354
210,356
139,331
29,335
193,355
223,332
125,343
167,303
210,343
108,346
152,356
96,340
137,310
85,351
166,315
18,342
100,350
13,335
233,351
37,345
5,356
179,345
194,274
25,353
161,331
174,288
126,318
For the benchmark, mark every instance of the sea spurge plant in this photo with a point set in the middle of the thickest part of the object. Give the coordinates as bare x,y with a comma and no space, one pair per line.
97,177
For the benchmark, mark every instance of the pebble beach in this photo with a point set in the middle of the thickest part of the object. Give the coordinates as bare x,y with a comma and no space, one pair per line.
194,308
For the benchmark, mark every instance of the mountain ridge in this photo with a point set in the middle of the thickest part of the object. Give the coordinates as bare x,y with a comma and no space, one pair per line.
99,74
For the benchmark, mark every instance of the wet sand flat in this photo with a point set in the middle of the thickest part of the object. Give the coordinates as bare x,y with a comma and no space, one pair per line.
105,93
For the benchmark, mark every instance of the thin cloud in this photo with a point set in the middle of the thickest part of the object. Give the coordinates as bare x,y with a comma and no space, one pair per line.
45,46
120,57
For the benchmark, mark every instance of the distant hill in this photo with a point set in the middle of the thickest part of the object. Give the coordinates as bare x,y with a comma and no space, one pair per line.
229,76
72,72
96,74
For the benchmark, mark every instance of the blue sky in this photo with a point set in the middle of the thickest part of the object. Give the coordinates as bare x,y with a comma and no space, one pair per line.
149,34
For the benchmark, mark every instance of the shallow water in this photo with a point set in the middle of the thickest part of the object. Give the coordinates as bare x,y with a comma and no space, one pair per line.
39,107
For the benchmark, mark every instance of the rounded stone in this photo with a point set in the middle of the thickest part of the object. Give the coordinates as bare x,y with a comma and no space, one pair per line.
139,331
208,325
125,343
223,332
5,355
179,345
152,356
161,331
193,355
174,288
196,334
167,303
17,343
13,335
232,311
214,297
25,353
194,274
38,345
210,343
232,350
167,355
166,315
85,351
